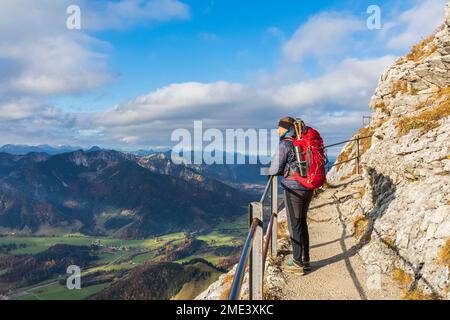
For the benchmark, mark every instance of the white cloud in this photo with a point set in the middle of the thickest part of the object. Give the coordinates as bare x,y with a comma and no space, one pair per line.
152,117
122,14
175,101
322,35
43,58
412,25
11,110
361,77
40,59
46,58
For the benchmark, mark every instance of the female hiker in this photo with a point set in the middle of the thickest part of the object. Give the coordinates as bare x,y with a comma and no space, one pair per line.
297,197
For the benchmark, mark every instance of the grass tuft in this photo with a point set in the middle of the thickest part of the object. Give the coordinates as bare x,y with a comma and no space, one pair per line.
422,50
359,226
399,86
227,283
444,254
426,120
361,192
419,295
382,107
402,277
283,232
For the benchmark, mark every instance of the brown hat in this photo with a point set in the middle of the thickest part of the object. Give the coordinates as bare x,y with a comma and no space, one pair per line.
286,123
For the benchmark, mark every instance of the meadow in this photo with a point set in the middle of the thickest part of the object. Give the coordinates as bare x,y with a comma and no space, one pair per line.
117,255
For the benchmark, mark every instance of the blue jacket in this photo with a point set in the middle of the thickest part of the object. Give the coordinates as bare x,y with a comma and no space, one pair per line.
286,157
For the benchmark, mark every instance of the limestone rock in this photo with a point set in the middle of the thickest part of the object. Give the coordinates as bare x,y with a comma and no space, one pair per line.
406,169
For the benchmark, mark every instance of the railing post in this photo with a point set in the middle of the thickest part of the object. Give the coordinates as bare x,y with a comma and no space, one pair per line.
256,256
357,155
274,212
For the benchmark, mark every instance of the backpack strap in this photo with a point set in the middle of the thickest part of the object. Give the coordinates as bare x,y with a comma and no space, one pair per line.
289,175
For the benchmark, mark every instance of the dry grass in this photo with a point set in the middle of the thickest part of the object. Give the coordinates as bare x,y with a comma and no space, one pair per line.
426,120
400,86
283,232
382,107
419,295
359,226
350,150
444,254
365,144
326,185
268,294
344,155
403,278
422,50
361,192
389,242
227,283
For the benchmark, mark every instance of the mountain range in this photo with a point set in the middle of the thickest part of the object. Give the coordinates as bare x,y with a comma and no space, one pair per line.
105,192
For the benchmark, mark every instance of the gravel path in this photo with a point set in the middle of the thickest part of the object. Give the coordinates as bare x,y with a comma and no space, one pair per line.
337,270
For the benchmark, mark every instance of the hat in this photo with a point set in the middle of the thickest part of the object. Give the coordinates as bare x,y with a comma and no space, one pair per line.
286,123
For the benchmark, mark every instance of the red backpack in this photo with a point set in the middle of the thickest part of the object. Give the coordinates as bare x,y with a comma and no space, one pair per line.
313,154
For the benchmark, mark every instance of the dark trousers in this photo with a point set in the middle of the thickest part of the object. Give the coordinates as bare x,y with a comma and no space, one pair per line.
297,205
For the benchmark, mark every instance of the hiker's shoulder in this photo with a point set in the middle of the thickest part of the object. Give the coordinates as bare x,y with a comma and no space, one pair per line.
287,142
286,145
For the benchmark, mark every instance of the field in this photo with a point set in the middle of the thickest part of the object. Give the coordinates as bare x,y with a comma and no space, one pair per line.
38,244
118,255
58,292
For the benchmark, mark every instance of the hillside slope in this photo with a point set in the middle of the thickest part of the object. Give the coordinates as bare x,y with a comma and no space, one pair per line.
162,281
405,207
106,192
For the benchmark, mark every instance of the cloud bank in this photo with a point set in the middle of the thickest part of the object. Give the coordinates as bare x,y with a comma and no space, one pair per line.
40,59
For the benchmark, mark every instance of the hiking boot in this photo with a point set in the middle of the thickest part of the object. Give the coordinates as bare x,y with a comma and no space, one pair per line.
293,266
306,267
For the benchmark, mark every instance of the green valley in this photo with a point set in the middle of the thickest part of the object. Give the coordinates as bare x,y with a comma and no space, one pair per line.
204,255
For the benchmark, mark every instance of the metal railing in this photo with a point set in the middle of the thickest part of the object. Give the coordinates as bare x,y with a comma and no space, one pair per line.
356,158
258,243
256,247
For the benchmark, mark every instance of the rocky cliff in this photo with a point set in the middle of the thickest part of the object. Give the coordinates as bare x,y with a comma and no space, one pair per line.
405,206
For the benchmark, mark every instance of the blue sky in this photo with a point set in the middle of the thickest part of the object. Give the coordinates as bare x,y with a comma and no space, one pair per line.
222,40
139,69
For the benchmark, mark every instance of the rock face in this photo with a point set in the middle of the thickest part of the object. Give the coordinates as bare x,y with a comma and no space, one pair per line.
406,166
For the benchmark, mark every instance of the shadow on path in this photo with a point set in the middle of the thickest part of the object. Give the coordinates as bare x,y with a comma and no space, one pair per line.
328,243
380,185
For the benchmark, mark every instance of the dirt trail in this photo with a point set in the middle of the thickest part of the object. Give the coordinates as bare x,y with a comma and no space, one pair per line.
337,270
